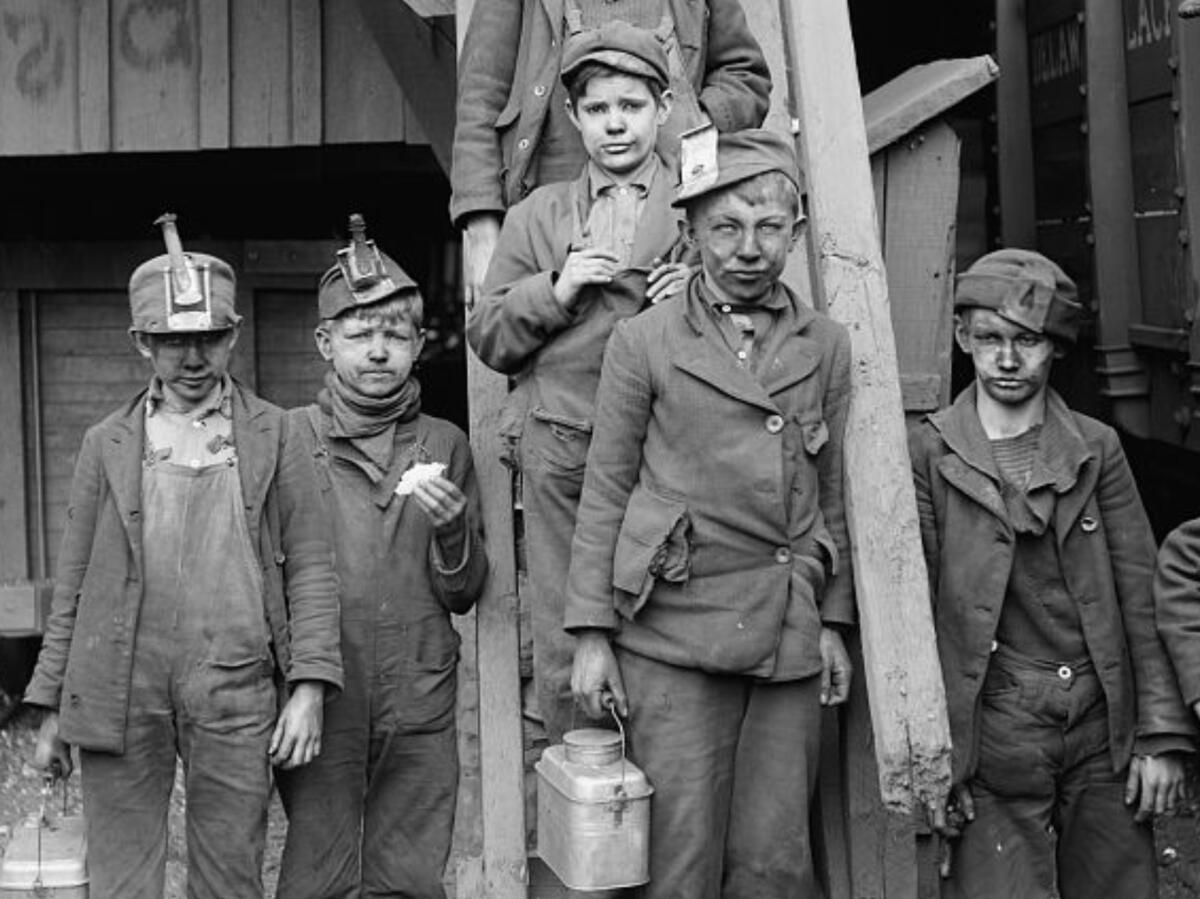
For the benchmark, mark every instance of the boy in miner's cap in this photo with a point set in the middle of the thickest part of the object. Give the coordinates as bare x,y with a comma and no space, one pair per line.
1065,715
195,580
575,258
709,575
374,815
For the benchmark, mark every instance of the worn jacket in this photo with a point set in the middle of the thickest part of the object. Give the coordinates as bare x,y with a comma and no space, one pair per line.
1177,602
1105,547
511,59
86,661
683,546
397,590
519,328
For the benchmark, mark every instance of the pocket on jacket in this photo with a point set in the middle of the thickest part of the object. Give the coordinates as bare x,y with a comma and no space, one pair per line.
557,443
652,545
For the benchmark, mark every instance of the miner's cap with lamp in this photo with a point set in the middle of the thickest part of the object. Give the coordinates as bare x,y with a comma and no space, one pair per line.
1025,288
709,161
362,276
619,46
180,292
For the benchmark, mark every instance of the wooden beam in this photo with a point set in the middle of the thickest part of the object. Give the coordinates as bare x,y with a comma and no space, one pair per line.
1014,124
423,62
95,124
14,552
505,872
306,71
901,669
427,9
922,93
214,100
1118,287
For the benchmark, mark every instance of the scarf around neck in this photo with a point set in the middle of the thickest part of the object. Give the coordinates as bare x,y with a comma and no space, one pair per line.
355,416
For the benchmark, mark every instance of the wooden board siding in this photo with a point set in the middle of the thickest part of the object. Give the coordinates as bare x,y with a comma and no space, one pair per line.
290,370
165,75
88,368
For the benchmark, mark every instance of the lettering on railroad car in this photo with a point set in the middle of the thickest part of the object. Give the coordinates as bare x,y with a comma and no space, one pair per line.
1055,53
1147,21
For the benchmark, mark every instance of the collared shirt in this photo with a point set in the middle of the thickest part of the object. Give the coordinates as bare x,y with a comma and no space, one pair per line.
196,438
616,209
748,331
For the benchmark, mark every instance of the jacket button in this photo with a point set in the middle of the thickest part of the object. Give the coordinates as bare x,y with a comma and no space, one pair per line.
1087,524
774,423
783,555
523,144
539,90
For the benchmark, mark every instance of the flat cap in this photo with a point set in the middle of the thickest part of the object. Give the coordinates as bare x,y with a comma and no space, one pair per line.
620,46
163,302
740,155
1025,288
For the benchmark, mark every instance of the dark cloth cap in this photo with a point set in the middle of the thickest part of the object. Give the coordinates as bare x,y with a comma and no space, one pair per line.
1025,288
161,303
618,45
741,155
334,295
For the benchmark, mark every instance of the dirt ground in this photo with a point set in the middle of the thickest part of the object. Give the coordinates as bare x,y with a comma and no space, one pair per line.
21,795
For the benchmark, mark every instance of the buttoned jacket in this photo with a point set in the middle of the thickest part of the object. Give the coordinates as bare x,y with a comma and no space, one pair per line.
1105,547
520,329
86,662
510,62
684,547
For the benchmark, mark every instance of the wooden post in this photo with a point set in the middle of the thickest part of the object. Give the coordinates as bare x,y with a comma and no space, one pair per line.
1187,34
1124,379
14,552
504,873
1018,224
901,668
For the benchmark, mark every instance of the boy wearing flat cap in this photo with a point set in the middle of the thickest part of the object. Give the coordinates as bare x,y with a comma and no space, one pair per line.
373,816
512,131
709,571
1065,717
195,578
573,259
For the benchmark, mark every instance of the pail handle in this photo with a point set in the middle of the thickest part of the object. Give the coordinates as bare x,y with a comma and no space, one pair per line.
48,781
611,705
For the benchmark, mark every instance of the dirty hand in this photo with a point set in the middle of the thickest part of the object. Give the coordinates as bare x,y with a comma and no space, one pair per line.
583,267
52,754
442,501
297,737
596,676
947,819
1158,780
479,244
666,280
836,669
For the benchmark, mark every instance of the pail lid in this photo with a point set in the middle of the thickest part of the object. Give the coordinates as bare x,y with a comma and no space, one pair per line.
592,746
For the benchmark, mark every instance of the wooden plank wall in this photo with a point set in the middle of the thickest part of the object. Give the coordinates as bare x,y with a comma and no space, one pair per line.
163,75
13,545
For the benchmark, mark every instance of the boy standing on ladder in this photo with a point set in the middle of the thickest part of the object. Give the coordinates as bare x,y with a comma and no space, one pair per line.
1067,724
575,258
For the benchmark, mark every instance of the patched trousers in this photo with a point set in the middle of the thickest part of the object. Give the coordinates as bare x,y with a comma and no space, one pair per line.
733,763
1050,816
